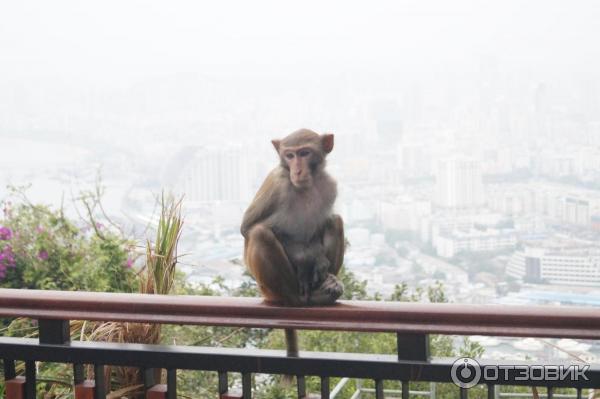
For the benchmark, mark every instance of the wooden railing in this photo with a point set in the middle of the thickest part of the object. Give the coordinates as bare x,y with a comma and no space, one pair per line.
412,322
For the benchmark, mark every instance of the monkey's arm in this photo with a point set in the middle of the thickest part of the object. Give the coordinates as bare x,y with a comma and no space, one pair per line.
263,204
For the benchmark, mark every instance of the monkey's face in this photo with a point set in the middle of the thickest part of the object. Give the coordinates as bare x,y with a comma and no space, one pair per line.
303,154
300,162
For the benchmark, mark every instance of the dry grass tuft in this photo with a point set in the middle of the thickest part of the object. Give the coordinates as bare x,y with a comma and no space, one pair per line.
156,277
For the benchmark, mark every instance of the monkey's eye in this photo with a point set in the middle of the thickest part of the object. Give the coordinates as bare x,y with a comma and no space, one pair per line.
289,155
303,153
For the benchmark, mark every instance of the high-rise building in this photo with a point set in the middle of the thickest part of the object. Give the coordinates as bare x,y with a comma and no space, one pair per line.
577,211
205,174
449,244
570,266
459,183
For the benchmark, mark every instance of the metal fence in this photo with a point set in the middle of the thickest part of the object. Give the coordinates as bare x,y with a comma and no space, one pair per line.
412,322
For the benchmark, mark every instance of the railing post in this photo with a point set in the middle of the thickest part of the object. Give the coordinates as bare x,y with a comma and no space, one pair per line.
172,384
246,385
491,390
84,389
9,369
154,389
405,389
14,386
51,331
30,380
54,331
158,391
78,375
301,384
378,389
224,387
324,387
223,384
148,377
99,384
413,346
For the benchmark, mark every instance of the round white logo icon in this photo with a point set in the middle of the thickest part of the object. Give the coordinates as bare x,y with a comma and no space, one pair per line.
465,372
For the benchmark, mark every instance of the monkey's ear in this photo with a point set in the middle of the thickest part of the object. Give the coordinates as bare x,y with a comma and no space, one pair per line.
327,142
276,144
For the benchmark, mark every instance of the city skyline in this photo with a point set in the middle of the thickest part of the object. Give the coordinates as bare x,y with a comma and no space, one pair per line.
466,136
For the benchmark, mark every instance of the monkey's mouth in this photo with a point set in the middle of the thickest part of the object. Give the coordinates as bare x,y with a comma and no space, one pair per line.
301,183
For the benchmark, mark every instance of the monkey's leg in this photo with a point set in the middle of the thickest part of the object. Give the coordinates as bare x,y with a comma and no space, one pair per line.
300,256
321,269
304,282
334,243
266,259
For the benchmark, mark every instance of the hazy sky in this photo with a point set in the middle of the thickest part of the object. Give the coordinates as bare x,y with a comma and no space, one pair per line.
108,42
152,76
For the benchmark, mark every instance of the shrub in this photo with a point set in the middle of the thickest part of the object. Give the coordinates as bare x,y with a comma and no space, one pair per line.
40,248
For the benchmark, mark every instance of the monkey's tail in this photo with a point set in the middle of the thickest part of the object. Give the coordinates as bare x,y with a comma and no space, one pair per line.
291,344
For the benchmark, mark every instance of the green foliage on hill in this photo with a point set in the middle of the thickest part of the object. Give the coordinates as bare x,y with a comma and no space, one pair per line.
52,252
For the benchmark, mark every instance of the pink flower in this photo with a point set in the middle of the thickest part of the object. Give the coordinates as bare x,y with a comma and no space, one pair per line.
5,233
7,257
129,263
43,254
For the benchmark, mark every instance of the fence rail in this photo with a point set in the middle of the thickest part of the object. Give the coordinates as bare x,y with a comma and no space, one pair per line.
368,316
411,321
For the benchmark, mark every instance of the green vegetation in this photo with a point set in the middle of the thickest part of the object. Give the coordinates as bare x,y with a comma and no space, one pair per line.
51,252
41,248
162,258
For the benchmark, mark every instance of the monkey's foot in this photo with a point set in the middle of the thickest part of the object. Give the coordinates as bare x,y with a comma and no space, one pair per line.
331,289
333,286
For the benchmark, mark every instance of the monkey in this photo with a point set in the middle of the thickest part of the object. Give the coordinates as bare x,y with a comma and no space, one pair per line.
293,242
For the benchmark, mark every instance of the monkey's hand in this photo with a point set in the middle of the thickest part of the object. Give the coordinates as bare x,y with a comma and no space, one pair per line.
320,272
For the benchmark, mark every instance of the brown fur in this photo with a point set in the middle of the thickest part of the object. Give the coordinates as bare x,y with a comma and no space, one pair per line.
294,244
